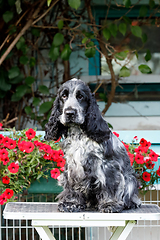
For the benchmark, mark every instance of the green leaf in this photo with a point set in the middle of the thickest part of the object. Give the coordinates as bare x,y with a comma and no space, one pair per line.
45,107
144,69
66,52
54,53
127,19
103,96
127,3
21,90
29,80
121,55
23,60
74,3
49,2
148,55
12,29
113,29
143,11
58,39
28,110
106,33
84,40
20,44
124,72
90,50
136,31
123,28
4,85
144,38
60,24
151,4
13,72
43,89
35,32
7,16
36,101
11,2
32,62
17,79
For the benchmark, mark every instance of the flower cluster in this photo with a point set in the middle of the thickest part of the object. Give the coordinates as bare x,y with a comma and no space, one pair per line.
143,159
25,157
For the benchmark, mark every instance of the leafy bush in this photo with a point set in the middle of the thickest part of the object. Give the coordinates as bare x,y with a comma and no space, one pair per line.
24,158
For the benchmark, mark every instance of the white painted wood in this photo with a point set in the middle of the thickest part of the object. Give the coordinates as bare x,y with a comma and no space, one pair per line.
44,233
122,233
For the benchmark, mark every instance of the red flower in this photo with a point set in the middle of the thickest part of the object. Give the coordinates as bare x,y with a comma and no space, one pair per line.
3,198
126,146
6,141
3,153
9,193
141,149
1,126
55,173
26,146
136,138
116,134
6,180
58,140
158,171
143,142
29,146
139,158
54,155
5,160
1,138
61,162
149,164
37,143
153,156
11,144
146,176
13,167
30,134
45,148
131,157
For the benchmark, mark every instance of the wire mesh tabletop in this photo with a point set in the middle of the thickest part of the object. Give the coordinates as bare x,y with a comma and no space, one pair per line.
44,215
26,210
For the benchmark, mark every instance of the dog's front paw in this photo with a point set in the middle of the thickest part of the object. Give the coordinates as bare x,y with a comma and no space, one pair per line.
110,208
70,207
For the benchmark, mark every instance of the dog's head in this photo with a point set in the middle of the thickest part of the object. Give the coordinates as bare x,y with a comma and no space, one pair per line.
75,104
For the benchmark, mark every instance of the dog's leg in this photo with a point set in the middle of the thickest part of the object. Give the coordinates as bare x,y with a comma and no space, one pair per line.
70,201
110,206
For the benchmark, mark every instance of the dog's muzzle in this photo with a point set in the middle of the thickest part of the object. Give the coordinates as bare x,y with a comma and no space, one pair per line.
70,114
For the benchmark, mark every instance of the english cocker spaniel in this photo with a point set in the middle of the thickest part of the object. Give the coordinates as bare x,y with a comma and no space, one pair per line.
97,174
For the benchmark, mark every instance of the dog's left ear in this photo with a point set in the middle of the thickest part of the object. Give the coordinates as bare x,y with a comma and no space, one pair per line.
96,127
54,129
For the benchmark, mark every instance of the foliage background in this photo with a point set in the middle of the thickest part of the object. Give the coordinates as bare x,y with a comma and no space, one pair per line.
37,40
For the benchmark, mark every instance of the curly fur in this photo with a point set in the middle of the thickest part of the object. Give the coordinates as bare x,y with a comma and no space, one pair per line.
98,173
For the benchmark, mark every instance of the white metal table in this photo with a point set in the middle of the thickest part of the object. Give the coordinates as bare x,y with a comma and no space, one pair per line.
44,215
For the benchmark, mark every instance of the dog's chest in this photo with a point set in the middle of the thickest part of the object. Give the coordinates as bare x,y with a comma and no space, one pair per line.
78,149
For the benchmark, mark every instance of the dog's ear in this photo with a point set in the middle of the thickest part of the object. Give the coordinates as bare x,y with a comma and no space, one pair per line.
96,127
54,129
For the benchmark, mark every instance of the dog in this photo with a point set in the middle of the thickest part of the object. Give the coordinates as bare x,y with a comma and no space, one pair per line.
97,174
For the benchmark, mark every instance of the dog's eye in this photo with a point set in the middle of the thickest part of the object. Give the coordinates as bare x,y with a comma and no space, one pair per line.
79,96
64,95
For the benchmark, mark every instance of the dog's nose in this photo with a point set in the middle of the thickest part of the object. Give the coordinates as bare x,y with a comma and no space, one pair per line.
70,113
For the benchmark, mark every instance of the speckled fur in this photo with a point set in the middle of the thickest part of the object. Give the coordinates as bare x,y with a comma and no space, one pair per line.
98,174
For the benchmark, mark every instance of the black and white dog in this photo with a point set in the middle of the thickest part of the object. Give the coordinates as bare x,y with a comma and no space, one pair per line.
98,173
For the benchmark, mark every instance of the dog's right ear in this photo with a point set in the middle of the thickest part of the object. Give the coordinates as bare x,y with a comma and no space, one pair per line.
54,128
